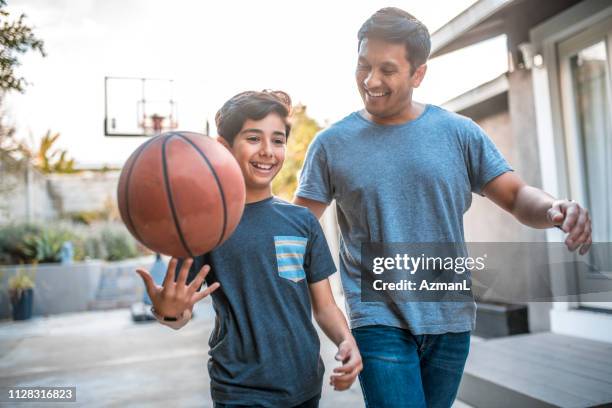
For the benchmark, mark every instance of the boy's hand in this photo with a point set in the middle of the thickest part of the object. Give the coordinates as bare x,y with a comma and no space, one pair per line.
173,298
344,376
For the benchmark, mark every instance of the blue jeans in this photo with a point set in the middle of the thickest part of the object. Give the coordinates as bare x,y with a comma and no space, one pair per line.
401,370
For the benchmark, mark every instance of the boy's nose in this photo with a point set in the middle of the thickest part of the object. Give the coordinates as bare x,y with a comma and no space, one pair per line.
266,149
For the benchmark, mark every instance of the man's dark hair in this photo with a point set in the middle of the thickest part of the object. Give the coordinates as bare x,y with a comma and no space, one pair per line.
395,25
252,105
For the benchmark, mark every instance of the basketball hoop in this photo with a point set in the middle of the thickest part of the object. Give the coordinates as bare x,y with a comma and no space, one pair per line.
155,124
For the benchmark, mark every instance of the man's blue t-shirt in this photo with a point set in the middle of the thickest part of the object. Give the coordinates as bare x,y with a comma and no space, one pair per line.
406,183
264,349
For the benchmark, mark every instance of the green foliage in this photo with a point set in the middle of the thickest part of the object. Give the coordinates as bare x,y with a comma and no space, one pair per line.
16,38
50,160
112,244
303,130
88,217
12,239
18,283
47,246
21,281
33,243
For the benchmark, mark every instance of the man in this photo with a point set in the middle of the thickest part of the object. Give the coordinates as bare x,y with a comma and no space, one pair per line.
402,171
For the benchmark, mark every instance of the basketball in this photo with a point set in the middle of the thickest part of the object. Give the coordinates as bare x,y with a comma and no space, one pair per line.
181,194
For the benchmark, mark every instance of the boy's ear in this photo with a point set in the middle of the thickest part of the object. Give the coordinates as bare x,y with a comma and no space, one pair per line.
224,143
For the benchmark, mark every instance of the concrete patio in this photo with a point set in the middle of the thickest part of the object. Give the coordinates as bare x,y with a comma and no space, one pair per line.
115,362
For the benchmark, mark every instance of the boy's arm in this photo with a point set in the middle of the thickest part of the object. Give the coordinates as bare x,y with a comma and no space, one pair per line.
332,322
177,324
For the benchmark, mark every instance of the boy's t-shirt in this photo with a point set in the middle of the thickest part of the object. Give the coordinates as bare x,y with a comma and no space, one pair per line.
405,183
264,349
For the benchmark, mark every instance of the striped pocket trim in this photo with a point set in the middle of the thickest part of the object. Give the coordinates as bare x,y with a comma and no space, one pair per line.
290,257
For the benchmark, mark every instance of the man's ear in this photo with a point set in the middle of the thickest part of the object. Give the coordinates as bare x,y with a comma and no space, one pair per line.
224,143
418,75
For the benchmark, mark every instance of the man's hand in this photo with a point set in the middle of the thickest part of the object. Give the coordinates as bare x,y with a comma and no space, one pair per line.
173,298
344,376
575,221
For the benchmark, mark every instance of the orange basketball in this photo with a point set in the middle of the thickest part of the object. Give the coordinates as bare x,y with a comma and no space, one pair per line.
181,194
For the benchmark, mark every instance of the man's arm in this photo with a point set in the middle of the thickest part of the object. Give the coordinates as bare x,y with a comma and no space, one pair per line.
331,320
536,208
316,207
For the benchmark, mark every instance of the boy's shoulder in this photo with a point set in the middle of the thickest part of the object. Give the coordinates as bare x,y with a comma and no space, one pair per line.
292,209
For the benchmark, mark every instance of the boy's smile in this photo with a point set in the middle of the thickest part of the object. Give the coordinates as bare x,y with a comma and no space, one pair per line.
259,149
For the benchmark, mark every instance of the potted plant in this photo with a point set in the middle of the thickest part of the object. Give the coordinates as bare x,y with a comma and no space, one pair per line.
21,293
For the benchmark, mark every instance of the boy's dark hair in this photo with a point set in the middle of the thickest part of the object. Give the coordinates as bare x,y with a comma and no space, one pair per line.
395,25
252,105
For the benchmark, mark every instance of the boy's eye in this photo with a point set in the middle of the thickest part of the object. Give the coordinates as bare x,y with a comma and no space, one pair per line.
252,138
279,141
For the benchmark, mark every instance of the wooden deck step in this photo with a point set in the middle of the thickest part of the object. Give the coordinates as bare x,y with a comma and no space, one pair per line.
538,370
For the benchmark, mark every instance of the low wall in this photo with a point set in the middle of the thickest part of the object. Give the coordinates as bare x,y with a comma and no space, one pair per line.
79,286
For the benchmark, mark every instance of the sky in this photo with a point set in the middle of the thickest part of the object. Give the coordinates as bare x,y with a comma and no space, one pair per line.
212,50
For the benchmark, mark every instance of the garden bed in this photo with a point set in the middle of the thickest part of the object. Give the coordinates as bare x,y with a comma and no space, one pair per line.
79,286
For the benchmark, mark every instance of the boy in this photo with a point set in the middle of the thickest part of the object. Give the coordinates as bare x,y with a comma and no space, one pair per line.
264,350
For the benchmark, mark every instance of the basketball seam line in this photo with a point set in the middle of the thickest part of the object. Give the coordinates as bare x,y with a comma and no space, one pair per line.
127,189
214,173
169,194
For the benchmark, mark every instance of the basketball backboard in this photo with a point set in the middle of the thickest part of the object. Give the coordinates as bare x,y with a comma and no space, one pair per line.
138,106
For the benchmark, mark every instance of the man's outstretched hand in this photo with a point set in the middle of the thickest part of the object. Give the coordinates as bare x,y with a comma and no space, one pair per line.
173,298
575,221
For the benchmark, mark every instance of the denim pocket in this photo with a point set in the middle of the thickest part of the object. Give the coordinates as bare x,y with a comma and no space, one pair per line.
290,257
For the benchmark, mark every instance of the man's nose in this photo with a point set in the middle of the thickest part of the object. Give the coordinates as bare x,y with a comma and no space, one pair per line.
372,80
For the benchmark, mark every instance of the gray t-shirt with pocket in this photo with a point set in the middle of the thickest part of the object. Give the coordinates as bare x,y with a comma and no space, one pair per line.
264,349
406,183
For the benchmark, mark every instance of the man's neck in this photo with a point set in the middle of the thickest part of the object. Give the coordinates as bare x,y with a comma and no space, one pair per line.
412,112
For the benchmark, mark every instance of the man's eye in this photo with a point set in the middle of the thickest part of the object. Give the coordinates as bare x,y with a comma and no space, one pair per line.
386,72
363,67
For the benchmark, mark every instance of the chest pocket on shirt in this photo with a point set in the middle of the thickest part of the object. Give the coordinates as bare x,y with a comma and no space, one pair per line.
290,257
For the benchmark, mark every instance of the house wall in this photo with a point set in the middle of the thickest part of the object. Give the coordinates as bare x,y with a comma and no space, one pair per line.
485,221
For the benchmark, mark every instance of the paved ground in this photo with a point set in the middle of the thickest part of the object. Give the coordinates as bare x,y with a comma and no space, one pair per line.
115,362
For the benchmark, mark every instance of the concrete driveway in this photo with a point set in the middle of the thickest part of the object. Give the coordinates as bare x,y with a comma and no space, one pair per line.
115,362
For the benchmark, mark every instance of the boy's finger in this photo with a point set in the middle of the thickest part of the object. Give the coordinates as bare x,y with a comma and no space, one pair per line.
182,278
169,278
201,295
350,376
348,366
199,279
148,280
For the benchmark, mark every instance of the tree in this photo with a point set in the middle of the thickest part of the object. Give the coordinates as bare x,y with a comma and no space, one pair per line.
16,38
303,130
49,160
